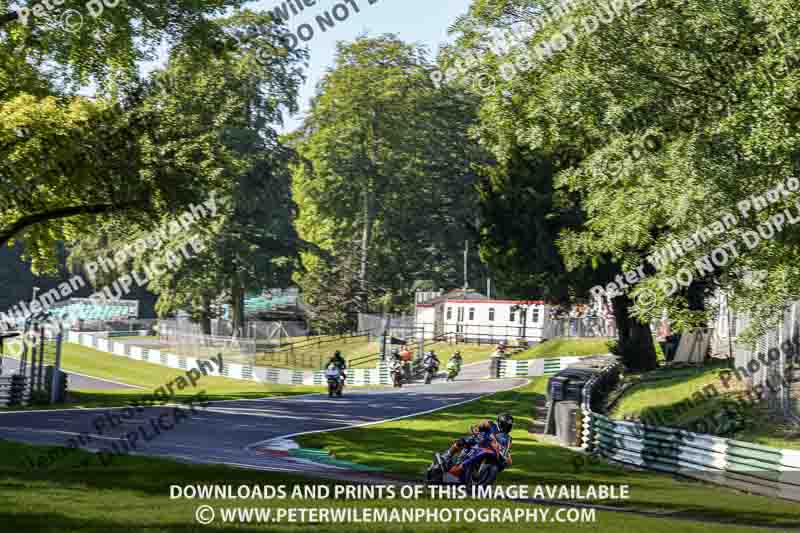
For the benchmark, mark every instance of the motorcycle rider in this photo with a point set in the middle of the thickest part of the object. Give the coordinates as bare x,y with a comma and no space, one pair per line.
431,365
395,363
431,360
481,432
455,362
338,361
501,349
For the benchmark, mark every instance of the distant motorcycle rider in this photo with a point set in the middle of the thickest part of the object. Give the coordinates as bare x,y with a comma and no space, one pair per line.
481,432
454,365
431,360
396,368
338,361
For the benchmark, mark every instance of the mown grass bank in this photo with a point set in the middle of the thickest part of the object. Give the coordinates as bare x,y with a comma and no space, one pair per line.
406,447
564,347
706,399
150,376
132,495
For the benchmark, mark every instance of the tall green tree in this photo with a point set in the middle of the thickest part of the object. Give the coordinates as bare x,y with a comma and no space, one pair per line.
66,159
386,165
219,123
671,113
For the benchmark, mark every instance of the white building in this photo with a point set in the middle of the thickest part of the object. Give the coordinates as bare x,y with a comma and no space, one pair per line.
472,317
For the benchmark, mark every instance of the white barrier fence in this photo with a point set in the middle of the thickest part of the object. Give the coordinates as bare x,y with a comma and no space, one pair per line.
509,368
503,368
279,376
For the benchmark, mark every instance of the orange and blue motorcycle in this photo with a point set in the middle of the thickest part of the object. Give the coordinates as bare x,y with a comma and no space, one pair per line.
478,464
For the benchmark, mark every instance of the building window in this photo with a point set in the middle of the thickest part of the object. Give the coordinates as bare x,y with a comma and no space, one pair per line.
535,318
512,316
491,314
449,313
460,314
472,313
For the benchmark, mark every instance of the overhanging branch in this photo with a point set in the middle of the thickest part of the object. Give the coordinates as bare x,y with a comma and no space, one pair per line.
7,234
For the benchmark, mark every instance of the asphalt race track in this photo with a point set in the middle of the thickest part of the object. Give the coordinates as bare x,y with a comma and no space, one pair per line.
232,432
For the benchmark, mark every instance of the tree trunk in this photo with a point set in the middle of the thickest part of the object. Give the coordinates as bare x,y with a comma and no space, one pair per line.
237,308
622,318
635,339
366,239
205,317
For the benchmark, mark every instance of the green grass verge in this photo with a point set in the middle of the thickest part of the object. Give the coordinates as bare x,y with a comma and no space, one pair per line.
151,376
681,398
132,495
564,347
663,388
136,338
313,355
406,446
472,353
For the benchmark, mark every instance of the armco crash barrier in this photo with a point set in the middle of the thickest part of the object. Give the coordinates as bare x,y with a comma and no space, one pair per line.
736,464
260,374
509,368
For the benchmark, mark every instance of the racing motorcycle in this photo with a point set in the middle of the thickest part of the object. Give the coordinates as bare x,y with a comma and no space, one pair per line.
396,370
453,368
335,378
478,464
431,367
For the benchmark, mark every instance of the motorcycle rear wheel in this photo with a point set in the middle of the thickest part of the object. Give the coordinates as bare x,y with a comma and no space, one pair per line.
434,475
483,474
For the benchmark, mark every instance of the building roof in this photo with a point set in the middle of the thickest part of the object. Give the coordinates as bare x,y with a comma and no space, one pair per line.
456,294
460,296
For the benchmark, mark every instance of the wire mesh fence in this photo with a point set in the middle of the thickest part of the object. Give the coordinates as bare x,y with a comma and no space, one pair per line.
270,332
314,352
580,327
189,343
116,326
769,365
392,325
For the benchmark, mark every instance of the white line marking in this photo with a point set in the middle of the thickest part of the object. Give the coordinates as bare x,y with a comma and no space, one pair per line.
365,424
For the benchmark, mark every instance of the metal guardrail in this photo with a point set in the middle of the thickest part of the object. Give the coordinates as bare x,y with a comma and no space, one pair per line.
512,368
14,391
741,465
